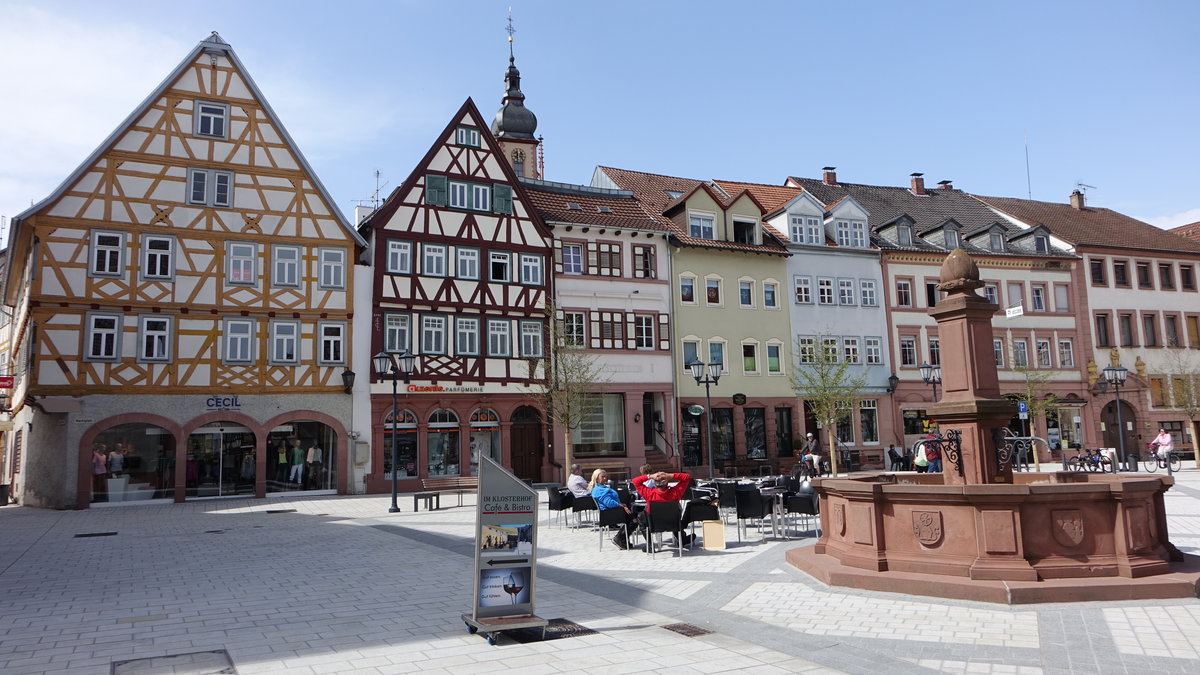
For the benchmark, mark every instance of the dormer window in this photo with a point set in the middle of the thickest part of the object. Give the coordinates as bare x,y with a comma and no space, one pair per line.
852,233
700,226
743,231
1041,243
674,194
951,237
573,206
996,242
904,235
806,230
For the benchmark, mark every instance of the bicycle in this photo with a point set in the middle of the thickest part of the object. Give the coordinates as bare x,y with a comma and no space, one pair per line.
1153,462
1089,460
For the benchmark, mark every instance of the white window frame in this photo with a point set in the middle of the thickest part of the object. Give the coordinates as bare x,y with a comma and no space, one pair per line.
771,298
331,343
531,269
572,257
692,280
238,341
241,268
466,336
1044,351
574,329
399,257
858,234
717,352
746,293
111,337
433,333
807,349
952,239
481,197
113,254
832,346
935,351
433,260
459,194
843,232
211,120
825,291
466,263
998,352
863,406
720,292
210,187
802,290
1066,353
285,266
867,293
1041,243
468,136
996,242
694,347
778,348
1037,298
154,344
904,235
873,351
643,331
499,334
701,224
531,339
755,356
992,293
333,268
283,333
908,346
906,286
163,257
397,332
850,350
1020,357
806,230
500,257
846,295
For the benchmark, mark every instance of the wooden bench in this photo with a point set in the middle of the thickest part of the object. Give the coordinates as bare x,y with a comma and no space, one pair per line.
457,484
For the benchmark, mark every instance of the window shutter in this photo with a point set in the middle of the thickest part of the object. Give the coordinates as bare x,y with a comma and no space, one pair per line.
435,190
502,199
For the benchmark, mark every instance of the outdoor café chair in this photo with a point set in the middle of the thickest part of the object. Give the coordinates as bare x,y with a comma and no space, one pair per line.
804,503
752,505
581,506
559,500
663,517
610,518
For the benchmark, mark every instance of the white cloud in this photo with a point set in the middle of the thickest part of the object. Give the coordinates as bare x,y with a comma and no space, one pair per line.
1176,219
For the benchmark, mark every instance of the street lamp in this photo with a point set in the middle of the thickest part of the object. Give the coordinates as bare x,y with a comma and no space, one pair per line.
932,376
1115,376
714,375
394,368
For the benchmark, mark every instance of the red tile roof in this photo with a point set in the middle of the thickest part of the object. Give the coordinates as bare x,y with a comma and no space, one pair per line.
553,201
772,197
1189,231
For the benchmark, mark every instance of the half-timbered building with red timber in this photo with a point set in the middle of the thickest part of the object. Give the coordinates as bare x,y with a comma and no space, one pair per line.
182,307
462,279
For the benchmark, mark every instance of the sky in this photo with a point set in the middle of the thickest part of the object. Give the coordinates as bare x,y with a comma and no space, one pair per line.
1097,93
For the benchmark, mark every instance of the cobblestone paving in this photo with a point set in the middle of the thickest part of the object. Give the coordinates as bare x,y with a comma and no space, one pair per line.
340,585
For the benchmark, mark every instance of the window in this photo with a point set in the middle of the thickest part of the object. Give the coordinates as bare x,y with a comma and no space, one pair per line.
1120,273
212,119
399,257
866,288
931,293
1062,298
1016,293
873,347
239,341
852,233
1066,354
158,255
1043,354
1187,277
1166,276
333,342
1149,330
1192,325
458,196
750,358
644,266
825,291
1037,298
1097,267
108,254
991,293
805,230
285,263
691,352
770,295
743,231
433,334
466,336
499,337
808,349
1171,330
531,269
712,291
1103,338
397,332
209,187
1158,393
951,238
498,266
687,290
602,429
1125,325
643,331
473,196
998,352
774,359
996,242
481,197
333,268
468,263
843,232
467,136
607,259
846,291
1020,349
1041,243
1143,276
904,235
433,260
442,443
829,346
573,332
903,293
572,257
531,339
850,349
241,268
868,421
908,351
154,338
935,351
804,290
716,353
756,432
701,226
746,293
285,338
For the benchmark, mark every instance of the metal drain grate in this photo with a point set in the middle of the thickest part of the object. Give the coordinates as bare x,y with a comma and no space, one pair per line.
95,534
215,662
557,629
687,629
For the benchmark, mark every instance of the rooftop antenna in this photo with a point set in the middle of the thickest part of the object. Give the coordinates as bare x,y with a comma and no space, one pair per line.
375,201
1083,187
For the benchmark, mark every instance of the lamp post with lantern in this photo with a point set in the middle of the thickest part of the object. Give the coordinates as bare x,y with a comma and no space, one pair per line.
713,376
1115,377
394,367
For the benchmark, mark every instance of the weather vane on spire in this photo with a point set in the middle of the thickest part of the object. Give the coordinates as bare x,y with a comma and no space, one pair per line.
509,28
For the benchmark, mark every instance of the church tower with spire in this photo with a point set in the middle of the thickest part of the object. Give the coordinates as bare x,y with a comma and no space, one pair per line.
514,125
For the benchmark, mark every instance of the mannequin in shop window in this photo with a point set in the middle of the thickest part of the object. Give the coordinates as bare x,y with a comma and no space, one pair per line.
99,466
116,460
296,460
248,467
315,460
280,458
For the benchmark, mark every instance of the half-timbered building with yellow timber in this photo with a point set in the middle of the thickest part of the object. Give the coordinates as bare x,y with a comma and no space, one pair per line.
182,308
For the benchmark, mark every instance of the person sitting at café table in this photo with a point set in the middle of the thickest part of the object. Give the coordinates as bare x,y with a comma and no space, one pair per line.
663,491
607,498
577,484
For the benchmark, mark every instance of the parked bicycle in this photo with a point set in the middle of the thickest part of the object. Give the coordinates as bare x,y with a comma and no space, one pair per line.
1153,462
1090,460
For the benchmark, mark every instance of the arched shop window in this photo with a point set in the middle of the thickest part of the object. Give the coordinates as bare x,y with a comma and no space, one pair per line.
131,462
405,429
443,443
301,455
485,437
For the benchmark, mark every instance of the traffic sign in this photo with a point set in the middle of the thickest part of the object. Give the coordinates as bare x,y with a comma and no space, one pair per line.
1023,407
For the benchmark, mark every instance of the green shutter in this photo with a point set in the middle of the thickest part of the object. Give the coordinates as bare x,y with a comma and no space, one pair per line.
502,198
435,190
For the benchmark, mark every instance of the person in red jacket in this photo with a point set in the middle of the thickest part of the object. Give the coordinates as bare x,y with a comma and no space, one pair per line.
657,487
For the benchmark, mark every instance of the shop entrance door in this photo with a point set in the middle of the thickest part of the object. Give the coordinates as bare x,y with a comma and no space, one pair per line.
220,461
527,453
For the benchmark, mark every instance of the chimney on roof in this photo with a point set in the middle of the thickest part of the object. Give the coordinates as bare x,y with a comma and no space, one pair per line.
1077,200
918,184
945,185
829,177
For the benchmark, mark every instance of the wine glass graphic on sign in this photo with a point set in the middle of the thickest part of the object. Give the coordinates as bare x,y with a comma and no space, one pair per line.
513,586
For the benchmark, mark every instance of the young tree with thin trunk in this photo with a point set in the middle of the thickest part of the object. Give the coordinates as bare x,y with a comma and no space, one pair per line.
828,384
1183,373
1034,392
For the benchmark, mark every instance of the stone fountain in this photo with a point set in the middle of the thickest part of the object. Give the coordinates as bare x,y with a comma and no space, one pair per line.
978,531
